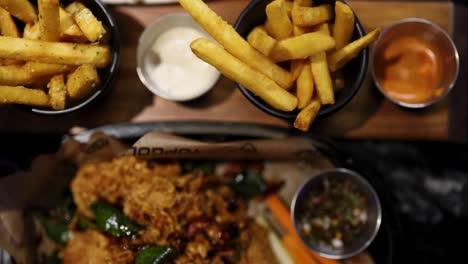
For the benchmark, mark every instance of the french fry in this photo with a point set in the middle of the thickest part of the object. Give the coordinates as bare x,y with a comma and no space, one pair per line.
38,69
344,24
297,30
240,72
288,6
21,9
268,27
322,78
54,52
82,82
278,23
338,81
8,28
301,47
75,39
31,31
106,39
228,37
22,95
296,68
49,20
78,13
68,25
307,115
339,58
311,16
323,28
260,40
40,84
74,7
57,92
304,86
7,25
29,73
301,3
89,24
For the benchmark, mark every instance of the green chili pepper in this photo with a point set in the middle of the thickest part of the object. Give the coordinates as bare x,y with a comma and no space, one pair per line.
111,220
249,184
66,209
155,255
55,222
84,224
207,167
54,259
238,247
57,231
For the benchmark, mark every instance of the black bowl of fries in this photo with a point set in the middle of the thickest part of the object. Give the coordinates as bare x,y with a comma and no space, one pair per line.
66,54
338,65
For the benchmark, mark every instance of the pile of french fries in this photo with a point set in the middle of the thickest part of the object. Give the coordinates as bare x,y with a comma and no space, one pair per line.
49,53
295,32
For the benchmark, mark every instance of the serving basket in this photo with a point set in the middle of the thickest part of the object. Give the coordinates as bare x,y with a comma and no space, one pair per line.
383,248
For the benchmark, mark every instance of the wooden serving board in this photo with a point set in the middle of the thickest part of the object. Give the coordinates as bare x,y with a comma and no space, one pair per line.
368,115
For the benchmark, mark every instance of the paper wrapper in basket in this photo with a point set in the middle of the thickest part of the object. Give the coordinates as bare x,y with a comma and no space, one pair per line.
50,174
158,145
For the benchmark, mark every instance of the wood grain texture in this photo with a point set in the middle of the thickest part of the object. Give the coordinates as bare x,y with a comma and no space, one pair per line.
368,115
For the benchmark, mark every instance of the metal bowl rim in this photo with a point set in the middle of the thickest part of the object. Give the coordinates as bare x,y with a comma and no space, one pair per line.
139,69
455,51
373,195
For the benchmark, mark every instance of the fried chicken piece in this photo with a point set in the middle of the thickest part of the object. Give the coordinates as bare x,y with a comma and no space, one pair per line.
100,180
150,196
93,247
125,179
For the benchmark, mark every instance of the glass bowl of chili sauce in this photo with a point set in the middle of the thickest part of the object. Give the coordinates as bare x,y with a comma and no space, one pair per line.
336,213
415,63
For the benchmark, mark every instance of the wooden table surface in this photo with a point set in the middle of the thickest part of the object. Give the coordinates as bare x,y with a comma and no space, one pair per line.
368,115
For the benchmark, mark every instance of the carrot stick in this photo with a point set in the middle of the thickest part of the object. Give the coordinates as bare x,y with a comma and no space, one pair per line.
298,253
283,216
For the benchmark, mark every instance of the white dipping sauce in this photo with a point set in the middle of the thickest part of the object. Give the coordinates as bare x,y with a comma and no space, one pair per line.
179,73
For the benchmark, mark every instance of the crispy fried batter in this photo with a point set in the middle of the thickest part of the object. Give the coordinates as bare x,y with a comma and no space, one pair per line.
196,214
94,247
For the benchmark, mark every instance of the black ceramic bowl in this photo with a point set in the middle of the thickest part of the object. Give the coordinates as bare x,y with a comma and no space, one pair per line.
107,74
354,72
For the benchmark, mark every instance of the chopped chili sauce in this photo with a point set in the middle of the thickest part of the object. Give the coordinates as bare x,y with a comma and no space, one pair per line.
333,213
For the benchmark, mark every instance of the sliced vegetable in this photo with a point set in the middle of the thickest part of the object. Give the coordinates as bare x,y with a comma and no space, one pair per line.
155,255
54,259
238,247
249,184
85,223
207,167
57,231
55,222
279,249
111,220
65,209
291,239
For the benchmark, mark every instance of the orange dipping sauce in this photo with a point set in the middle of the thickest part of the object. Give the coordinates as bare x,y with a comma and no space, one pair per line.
408,69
